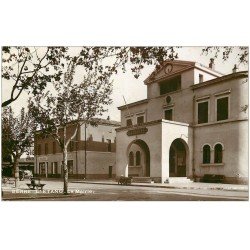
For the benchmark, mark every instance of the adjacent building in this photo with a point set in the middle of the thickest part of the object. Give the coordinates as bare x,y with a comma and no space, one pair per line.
91,154
193,122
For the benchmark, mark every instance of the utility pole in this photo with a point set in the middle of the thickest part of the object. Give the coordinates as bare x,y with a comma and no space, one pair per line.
76,146
85,152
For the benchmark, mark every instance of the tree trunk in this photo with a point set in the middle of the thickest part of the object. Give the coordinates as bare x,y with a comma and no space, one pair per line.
65,161
16,171
65,171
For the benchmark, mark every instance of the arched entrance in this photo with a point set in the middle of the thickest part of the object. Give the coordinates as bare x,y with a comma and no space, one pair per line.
138,156
178,158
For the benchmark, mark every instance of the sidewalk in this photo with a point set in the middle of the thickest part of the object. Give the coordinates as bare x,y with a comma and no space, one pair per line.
190,185
52,189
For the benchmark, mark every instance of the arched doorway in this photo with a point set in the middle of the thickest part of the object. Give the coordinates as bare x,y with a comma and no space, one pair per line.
138,156
178,158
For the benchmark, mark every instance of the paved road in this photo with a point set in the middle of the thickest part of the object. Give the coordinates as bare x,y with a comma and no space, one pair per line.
100,192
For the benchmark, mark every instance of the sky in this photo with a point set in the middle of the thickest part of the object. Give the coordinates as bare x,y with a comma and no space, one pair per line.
124,84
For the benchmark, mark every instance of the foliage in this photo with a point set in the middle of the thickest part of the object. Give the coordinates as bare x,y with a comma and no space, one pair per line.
31,69
226,51
138,57
71,102
17,132
70,105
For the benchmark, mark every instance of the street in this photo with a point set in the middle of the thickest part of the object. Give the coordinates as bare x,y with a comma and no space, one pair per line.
132,193
108,192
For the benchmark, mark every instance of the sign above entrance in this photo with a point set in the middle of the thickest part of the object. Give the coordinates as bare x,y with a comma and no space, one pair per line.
137,131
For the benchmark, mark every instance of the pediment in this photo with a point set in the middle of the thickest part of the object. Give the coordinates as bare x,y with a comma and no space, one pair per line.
169,69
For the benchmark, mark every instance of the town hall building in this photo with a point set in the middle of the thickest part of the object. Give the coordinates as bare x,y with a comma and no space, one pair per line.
194,122
91,155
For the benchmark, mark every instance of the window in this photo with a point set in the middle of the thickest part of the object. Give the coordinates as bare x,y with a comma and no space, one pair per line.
168,114
200,78
140,119
39,149
70,166
202,112
168,99
206,154
218,153
138,158
46,148
131,159
170,85
54,147
109,145
222,109
54,168
42,168
129,122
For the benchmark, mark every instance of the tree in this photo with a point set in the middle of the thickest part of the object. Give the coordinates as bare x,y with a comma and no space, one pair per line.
70,105
17,135
31,69
137,57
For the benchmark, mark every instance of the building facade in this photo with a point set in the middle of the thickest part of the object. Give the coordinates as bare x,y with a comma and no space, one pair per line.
193,122
90,158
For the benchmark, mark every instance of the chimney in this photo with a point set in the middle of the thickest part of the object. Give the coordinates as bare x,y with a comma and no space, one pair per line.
235,68
211,64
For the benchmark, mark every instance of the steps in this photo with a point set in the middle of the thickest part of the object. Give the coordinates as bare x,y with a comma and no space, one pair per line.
172,180
141,180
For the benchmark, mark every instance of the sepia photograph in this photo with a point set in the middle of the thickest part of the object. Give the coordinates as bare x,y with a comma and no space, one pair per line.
122,123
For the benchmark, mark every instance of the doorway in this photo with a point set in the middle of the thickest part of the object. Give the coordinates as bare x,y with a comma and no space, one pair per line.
110,171
138,159
177,159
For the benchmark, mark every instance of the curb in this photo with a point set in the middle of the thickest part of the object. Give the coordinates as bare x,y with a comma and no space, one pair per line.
172,187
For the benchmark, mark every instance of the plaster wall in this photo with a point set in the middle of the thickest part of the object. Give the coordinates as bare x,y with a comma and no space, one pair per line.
97,162
235,149
153,140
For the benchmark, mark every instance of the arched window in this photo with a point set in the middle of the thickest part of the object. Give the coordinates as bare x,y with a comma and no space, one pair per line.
138,158
131,159
206,154
218,153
